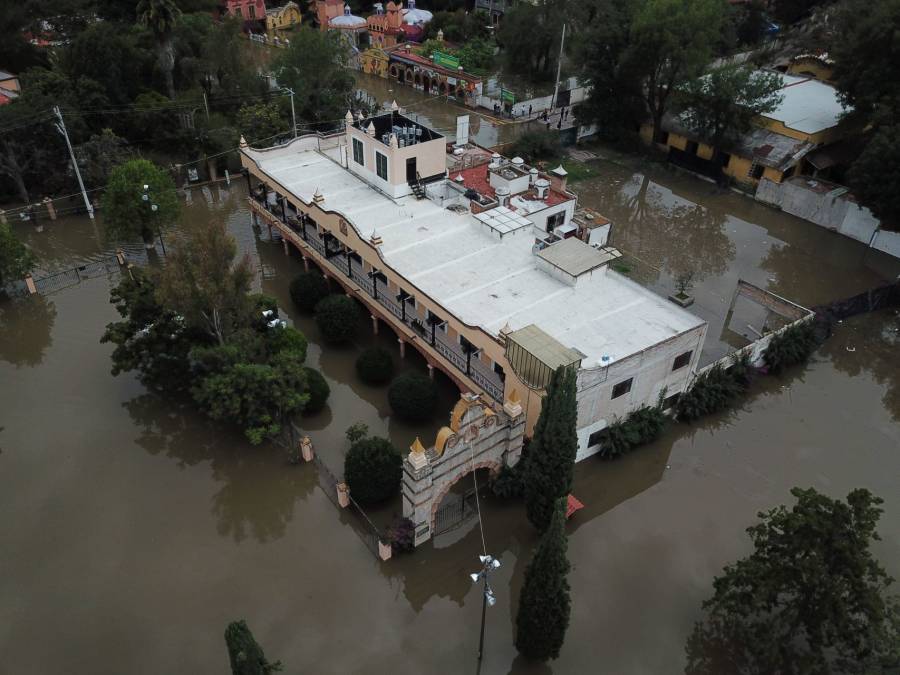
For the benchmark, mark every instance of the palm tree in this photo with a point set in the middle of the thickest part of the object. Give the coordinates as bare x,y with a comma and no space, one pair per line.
160,17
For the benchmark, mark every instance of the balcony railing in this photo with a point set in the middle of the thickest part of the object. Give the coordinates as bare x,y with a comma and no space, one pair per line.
478,372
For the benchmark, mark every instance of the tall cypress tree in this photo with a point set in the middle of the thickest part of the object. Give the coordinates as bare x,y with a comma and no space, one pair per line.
544,603
547,474
246,655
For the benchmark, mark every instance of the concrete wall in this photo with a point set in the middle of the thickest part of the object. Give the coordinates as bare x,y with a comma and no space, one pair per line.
889,242
834,212
430,160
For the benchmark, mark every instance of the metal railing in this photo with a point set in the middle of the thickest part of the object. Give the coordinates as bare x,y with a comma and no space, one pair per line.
481,374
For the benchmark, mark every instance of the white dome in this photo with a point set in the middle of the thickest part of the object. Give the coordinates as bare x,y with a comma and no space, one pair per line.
413,16
348,20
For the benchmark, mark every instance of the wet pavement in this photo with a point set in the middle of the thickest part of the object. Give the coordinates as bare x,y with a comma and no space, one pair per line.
133,531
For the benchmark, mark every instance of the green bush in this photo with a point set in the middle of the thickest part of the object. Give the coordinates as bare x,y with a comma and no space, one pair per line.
413,397
373,469
308,289
337,317
793,346
402,535
642,426
536,146
287,339
507,484
715,390
318,391
375,365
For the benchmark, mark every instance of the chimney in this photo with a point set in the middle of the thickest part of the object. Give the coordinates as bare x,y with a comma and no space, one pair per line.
532,176
518,162
502,195
558,179
495,161
541,185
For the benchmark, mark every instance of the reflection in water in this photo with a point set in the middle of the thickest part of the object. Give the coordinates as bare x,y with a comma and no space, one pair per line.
26,327
240,507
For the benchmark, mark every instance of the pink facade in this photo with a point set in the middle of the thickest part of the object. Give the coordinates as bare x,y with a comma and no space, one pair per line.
248,10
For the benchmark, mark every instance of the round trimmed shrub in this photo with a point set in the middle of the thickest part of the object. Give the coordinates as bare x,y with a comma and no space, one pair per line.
287,339
413,397
308,289
373,469
375,365
318,391
337,317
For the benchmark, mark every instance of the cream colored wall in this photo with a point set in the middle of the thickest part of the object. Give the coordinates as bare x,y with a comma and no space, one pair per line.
430,156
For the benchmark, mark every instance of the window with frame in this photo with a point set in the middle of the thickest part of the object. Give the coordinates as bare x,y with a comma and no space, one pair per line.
756,170
556,220
670,402
358,154
381,165
622,388
682,360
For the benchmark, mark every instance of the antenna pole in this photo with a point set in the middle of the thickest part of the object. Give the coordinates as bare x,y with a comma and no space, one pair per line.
562,43
61,128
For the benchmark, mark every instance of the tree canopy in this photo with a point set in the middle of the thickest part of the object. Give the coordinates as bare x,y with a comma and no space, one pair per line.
721,104
875,175
315,66
16,260
244,653
529,35
125,211
810,598
373,468
549,465
544,602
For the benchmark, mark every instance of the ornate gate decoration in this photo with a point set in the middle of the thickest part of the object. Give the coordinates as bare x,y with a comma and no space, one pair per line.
478,437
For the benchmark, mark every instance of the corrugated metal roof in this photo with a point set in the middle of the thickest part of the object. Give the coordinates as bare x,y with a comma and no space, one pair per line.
547,349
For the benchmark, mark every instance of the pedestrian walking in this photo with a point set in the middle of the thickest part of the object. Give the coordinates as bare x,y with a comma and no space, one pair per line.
559,124
565,113
529,111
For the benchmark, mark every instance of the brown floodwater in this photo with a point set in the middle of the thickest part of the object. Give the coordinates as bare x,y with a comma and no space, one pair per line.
133,531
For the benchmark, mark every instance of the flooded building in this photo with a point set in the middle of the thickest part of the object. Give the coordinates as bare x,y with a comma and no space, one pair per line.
484,271
810,116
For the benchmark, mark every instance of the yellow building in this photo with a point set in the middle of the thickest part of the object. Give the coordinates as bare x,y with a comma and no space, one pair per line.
374,61
284,17
809,116
817,66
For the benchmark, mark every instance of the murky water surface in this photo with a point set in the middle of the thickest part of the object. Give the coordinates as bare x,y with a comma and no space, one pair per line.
133,532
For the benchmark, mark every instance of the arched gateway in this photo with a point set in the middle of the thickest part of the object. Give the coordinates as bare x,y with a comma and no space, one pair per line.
478,437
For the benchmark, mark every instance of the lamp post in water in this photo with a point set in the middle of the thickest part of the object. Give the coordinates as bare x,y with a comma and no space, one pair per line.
488,564
154,208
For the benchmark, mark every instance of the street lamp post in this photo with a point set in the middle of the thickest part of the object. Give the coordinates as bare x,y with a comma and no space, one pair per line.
154,208
489,563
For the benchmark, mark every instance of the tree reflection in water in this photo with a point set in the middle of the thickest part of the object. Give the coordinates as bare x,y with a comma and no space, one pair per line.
669,232
26,329
258,488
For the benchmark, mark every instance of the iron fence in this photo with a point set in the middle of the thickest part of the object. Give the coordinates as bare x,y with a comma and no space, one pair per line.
457,509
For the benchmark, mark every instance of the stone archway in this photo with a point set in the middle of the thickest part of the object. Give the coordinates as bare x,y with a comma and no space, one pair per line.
478,437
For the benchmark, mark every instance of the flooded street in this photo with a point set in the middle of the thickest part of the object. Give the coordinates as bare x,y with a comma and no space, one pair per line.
133,531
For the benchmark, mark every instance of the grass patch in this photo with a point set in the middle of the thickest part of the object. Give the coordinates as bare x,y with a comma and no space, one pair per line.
579,171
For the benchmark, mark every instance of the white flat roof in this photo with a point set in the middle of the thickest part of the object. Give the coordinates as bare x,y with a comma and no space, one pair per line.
808,105
483,279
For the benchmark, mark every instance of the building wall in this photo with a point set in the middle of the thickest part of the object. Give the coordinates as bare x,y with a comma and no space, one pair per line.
652,373
539,218
430,161
249,10
288,16
811,68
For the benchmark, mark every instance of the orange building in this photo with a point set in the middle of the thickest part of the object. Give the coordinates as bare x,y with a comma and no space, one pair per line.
386,25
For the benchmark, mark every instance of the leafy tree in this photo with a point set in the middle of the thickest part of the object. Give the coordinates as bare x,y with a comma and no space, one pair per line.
285,339
458,25
99,155
866,51
150,339
244,653
375,365
715,390
258,397
615,101
544,602
751,22
875,174
108,54
791,11
224,62
793,346
477,54
317,389
529,36
373,469
337,317
534,146
203,283
126,214
721,105
16,53
413,396
810,598
642,426
670,42
160,16
261,121
316,67
547,472
307,289
16,260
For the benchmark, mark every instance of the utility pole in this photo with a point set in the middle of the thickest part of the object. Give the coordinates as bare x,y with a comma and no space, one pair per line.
562,43
206,106
293,116
489,563
61,128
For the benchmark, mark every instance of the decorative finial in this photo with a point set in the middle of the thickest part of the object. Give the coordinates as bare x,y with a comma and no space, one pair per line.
417,446
243,143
